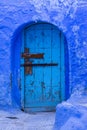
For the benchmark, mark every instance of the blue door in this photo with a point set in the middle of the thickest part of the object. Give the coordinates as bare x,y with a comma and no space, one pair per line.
42,68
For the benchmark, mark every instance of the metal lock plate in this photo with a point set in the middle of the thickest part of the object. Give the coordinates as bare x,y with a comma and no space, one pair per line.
28,69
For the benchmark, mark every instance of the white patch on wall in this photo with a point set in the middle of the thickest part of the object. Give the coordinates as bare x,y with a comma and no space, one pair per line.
42,16
82,3
79,88
75,28
77,41
85,43
59,17
80,54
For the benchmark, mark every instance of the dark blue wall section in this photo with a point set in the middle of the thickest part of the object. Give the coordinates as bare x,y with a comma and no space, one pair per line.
15,57
67,92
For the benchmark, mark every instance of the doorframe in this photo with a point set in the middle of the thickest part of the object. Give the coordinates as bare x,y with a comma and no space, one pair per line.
22,74
17,40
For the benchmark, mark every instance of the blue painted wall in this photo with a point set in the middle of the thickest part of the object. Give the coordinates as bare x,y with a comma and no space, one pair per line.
69,16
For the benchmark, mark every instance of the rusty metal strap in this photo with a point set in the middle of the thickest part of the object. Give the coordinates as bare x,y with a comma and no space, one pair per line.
36,56
44,64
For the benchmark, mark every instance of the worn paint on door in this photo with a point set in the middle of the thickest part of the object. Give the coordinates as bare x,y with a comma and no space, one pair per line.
42,68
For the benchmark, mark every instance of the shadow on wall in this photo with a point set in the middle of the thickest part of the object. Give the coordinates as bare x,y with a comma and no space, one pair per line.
15,65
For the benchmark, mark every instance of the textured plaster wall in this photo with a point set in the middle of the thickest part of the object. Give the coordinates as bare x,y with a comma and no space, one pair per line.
69,15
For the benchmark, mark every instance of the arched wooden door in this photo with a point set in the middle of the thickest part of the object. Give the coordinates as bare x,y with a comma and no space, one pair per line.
42,67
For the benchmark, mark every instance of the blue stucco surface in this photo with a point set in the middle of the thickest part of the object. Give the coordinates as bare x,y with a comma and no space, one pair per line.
69,16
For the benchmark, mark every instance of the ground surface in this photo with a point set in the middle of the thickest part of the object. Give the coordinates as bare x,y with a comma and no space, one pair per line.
70,115
24,121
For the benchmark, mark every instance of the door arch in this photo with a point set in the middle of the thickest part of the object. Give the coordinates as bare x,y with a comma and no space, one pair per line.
42,67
